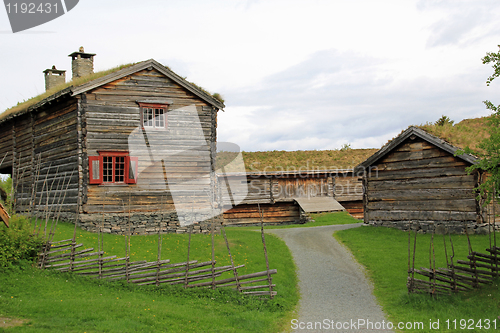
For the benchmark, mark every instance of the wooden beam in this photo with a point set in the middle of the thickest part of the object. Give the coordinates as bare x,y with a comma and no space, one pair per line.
4,215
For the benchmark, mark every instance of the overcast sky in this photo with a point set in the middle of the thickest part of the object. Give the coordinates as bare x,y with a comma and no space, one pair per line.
296,75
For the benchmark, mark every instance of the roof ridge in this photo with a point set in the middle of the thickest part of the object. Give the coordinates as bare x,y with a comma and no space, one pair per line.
114,73
439,142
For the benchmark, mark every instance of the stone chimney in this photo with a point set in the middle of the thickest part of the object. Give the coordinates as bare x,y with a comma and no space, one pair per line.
54,77
82,63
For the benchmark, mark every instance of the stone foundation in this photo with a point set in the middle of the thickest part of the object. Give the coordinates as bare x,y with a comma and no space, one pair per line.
453,227
140,223
145,223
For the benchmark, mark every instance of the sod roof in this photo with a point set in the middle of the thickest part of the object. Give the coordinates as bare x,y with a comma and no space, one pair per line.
83,84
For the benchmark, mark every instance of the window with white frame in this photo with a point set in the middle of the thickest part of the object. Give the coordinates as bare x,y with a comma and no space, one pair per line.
153,115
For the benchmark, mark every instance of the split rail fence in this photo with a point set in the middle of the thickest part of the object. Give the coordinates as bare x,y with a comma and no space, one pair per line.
458,275
70,256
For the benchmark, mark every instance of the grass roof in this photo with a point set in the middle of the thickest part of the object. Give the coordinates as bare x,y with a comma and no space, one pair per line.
467,133
297,160
22,106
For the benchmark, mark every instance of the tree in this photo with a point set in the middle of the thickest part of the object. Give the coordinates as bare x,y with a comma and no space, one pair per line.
490,154
443,121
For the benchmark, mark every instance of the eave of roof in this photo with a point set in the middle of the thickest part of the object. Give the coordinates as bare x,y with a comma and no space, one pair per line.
412,130
66,92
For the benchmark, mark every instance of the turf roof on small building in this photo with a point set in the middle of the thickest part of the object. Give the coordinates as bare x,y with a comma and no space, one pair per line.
418,132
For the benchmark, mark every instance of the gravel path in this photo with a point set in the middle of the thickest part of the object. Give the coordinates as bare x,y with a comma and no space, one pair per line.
332,284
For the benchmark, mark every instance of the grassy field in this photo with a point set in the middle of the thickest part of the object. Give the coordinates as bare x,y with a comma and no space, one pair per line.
44,301
384,252
51,302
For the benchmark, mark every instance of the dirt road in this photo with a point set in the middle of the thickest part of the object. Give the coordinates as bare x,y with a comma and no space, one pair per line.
336,296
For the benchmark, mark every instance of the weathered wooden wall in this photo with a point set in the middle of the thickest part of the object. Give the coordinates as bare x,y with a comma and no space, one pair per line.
23,148
278,213
46,156
111,121
301,186
6,151
275,187
41,148
419,182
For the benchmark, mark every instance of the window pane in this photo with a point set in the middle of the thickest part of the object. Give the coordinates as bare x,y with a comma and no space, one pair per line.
119,169
159,118
107,169
148,117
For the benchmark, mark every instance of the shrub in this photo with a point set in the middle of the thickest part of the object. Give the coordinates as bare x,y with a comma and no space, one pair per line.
17,243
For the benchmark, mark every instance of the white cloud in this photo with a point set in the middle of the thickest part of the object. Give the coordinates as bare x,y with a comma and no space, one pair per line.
295,74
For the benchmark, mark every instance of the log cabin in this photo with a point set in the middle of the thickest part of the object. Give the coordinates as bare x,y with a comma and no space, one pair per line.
286,197
417,177
130,151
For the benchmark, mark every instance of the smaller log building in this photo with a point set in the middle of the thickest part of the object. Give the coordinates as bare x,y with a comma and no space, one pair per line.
279,195
416,177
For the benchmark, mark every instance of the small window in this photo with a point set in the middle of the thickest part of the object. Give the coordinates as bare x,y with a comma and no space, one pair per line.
153,115
113,168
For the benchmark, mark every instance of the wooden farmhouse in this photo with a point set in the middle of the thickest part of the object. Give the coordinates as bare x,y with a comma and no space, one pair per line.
416,177
286,196
129,149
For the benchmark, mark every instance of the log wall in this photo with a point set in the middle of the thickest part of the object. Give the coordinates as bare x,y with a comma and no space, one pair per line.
419,182
269,188
6,151
287,188
41,153
180,155
278,213
46,156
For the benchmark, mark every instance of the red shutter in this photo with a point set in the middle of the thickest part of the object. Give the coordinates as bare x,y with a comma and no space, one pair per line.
95,169
131,167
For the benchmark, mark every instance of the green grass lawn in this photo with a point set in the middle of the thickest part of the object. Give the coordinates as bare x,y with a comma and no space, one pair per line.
384,253
331,219
318,220
56,302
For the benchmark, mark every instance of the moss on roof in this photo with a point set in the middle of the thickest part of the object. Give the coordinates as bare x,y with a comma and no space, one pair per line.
467,133
22,106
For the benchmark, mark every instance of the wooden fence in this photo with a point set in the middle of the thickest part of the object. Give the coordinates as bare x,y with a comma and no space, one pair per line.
458,275
68,256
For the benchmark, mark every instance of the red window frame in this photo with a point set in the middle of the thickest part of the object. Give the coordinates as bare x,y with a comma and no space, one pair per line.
152,107
128,170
